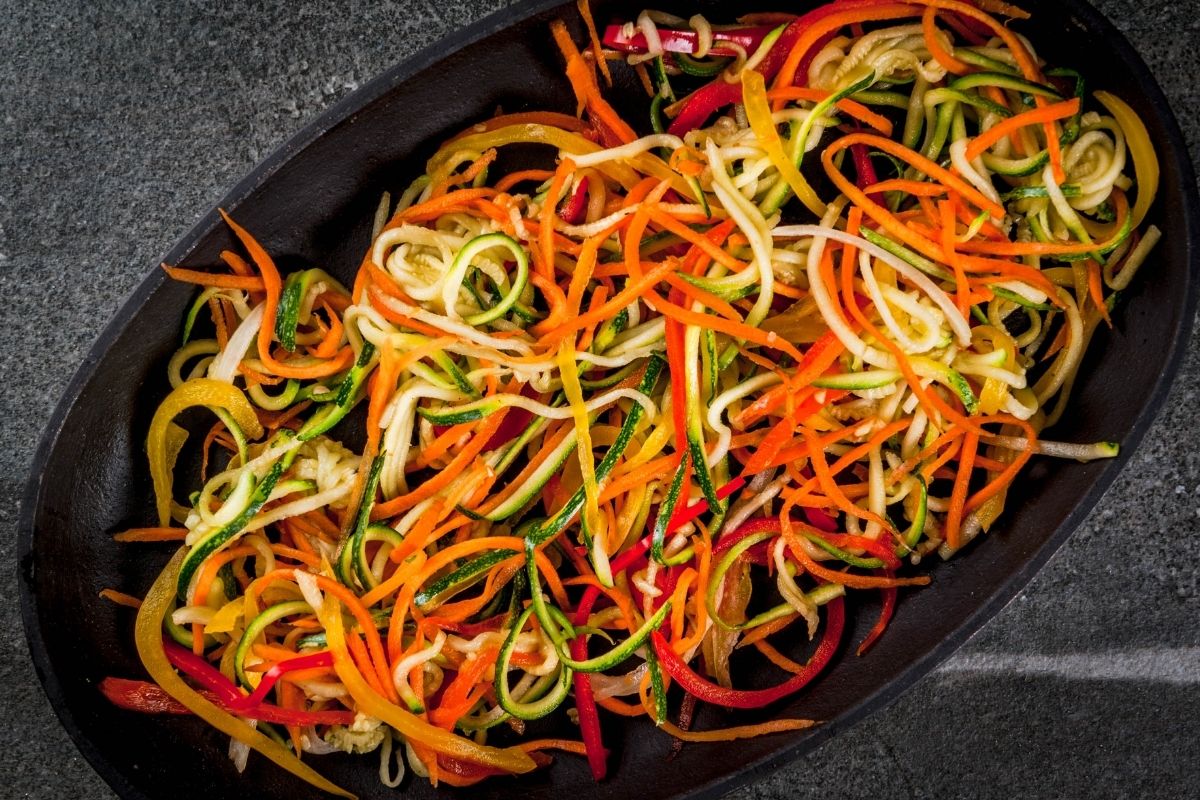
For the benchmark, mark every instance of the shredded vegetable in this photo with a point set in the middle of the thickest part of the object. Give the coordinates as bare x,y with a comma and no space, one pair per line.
648,401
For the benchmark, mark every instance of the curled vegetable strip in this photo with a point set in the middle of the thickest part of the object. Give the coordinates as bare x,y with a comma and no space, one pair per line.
200,392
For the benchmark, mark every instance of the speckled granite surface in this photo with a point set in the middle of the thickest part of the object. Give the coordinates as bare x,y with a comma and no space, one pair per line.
121,125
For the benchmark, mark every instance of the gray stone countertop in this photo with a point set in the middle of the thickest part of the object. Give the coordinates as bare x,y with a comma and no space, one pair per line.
122,122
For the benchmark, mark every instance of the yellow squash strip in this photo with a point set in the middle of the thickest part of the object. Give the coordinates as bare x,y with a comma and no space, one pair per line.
1145,162
148,634
587,462
198,392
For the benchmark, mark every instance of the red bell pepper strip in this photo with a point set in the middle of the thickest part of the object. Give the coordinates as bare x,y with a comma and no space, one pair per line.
143,696
573,210
963,26
685,515
820,520
677,41
469,629
272,676
707,691
885,616
513,425
585,701
231,699
775,18
865,171
703,103
149,698
747,528
712,97
231,696
759,553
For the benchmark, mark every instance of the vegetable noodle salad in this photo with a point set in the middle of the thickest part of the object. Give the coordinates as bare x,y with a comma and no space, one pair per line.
663,398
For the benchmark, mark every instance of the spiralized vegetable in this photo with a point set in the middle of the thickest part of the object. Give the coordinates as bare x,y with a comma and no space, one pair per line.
656,400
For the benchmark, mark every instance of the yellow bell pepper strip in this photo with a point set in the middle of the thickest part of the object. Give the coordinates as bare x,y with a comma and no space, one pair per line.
627,171
758,113
411,727
148,635
198,392
1145,162
587,466
176,437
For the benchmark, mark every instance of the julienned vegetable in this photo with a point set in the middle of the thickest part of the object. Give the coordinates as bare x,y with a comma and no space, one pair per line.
649,401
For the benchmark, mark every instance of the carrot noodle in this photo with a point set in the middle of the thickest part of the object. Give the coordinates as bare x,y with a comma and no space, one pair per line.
604,392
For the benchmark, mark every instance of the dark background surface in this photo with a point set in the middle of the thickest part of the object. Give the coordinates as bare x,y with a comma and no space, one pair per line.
122,123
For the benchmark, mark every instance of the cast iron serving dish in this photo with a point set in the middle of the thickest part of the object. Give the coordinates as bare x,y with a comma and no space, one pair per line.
311,203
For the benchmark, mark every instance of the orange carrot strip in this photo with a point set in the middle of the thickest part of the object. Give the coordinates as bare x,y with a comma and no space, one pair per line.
549,209
585,11
738,731
777,658
435,207
247,283
962,289
583,82
1010,472
620,707
855,109
358,651
151,535
212,566
1050,113
933,469
934,44
767,629
914,188
660,217
958,497
274,288
513,178
236,263
328,346
120,598
1096,290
